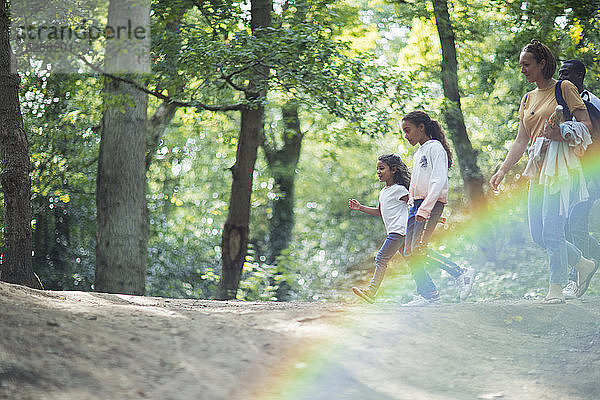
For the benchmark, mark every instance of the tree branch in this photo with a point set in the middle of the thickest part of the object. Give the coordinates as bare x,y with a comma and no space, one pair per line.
192,103
227,78
208,20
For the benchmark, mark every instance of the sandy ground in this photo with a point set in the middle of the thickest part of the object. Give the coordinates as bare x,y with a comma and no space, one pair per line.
90,346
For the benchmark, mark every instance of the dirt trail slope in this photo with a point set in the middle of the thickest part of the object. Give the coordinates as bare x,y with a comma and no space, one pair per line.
90,346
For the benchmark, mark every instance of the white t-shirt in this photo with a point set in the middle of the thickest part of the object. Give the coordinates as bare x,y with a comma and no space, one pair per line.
394,211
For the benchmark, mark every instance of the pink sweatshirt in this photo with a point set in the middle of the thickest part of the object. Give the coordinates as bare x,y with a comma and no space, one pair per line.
429,179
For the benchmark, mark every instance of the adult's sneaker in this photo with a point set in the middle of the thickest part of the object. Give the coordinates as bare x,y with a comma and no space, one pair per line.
420,301
465,283
570,291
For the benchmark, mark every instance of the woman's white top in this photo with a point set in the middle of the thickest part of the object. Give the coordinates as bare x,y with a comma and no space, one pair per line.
394,211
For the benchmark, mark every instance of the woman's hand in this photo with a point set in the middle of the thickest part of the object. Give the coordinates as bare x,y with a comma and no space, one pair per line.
420,218
354,204
552,132
496,179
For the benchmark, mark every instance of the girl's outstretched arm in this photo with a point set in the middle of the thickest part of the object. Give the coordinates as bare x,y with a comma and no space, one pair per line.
355,205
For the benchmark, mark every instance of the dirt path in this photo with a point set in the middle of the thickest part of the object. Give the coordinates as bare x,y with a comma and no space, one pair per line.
80,346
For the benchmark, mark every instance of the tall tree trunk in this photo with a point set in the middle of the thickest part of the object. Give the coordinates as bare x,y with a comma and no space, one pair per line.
122,231
467,157
234,241
16,183
282,165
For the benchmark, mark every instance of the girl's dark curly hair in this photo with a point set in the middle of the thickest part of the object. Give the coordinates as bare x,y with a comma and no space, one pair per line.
433,129
402,174
541,52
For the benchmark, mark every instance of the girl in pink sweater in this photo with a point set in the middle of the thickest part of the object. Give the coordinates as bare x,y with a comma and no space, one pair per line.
428,194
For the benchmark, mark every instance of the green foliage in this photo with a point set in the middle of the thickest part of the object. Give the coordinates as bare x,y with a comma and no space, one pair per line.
260,281
60,114
187,201
216,58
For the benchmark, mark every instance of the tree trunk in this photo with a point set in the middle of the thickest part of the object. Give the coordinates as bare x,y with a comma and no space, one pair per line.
122,231
16,184
466,156
234,242
282,164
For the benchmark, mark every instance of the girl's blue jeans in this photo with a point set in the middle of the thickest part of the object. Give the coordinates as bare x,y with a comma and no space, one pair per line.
547,229
393,243
418,234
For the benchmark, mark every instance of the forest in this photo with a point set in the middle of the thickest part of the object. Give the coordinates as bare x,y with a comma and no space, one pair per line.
211,153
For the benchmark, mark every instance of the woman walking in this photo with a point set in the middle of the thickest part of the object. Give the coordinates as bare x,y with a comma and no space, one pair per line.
546,205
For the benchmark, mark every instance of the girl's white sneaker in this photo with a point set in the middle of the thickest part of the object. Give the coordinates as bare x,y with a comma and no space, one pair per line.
465,283
570,290
420,301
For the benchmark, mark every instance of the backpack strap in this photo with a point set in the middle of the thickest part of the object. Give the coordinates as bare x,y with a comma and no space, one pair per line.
561,100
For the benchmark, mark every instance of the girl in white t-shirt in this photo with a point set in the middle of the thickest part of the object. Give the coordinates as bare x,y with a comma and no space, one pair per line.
393,209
